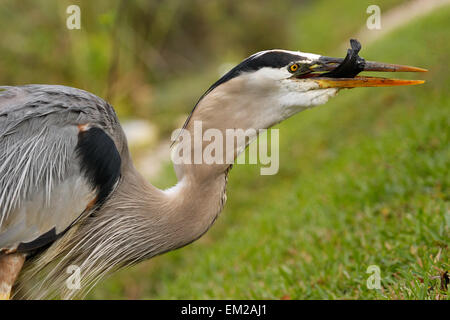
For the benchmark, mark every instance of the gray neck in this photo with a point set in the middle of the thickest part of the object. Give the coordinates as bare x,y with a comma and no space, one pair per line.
181,214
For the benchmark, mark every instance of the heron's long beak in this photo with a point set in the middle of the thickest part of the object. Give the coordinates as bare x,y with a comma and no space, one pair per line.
335,81
331,72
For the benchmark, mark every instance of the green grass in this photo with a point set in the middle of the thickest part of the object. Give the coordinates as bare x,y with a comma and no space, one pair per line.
363,180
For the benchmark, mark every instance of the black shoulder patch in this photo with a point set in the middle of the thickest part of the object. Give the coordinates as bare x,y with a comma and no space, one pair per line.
100,160
41,241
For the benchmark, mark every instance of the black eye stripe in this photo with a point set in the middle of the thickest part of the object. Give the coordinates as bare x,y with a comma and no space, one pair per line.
272,59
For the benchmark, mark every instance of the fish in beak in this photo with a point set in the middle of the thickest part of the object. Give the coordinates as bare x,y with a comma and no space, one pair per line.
331,72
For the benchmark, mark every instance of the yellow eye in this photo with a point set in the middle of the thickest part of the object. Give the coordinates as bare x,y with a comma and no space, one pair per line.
293,67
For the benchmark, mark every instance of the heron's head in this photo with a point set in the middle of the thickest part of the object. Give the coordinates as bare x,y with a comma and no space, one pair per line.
273,85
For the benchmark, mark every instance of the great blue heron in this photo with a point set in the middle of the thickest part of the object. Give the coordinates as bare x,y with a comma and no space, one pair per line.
70,195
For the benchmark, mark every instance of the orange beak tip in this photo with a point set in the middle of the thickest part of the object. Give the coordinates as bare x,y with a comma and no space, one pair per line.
364,82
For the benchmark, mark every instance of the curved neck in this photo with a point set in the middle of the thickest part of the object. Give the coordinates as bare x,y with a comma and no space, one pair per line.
176,216
196,200
181,214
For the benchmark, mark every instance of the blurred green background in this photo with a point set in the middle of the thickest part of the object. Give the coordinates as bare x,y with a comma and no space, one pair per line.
363,180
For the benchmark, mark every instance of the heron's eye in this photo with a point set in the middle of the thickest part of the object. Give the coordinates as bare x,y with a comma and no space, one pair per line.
293,67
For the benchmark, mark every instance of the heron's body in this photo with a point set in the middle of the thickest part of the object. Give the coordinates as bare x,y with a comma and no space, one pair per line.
70,195
42,129
84,181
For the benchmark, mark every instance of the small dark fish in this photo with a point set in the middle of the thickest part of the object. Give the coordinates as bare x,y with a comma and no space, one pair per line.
352,64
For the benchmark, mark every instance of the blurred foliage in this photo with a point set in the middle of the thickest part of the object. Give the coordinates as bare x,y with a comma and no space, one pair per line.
153,59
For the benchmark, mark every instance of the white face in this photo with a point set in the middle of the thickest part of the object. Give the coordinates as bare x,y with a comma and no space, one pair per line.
265,88
286,94
262,91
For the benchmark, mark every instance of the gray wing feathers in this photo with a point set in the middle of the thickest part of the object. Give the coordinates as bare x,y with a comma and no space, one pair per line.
39,169
29,162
